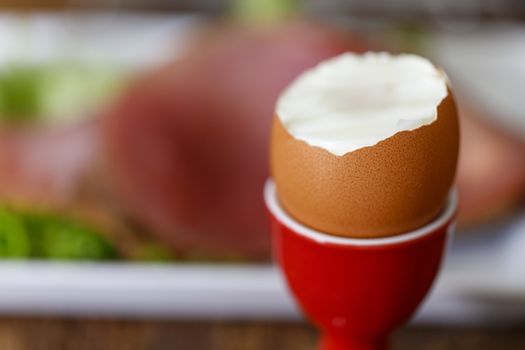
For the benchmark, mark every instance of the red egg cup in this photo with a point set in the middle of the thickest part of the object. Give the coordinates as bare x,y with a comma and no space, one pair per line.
358,291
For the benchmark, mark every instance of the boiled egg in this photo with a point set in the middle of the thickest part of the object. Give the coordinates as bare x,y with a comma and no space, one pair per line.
365,145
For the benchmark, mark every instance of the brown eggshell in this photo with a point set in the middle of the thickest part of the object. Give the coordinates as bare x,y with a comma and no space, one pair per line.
397,185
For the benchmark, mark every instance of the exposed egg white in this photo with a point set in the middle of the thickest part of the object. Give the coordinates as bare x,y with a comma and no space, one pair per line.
353,101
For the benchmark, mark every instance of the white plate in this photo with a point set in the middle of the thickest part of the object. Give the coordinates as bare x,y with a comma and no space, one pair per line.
483,282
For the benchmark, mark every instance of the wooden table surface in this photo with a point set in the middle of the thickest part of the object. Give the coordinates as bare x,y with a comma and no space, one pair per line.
58,334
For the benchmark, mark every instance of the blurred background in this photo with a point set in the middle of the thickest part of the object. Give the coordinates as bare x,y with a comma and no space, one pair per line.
133,151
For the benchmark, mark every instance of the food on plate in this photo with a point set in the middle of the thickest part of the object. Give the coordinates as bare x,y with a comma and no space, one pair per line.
54,92
39,235
365,145
187,145
48,147
48,138
491,171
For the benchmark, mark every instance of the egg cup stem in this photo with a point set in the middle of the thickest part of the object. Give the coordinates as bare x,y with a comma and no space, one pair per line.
329,342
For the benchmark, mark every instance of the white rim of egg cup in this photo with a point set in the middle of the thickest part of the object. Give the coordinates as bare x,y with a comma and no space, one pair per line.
272,203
